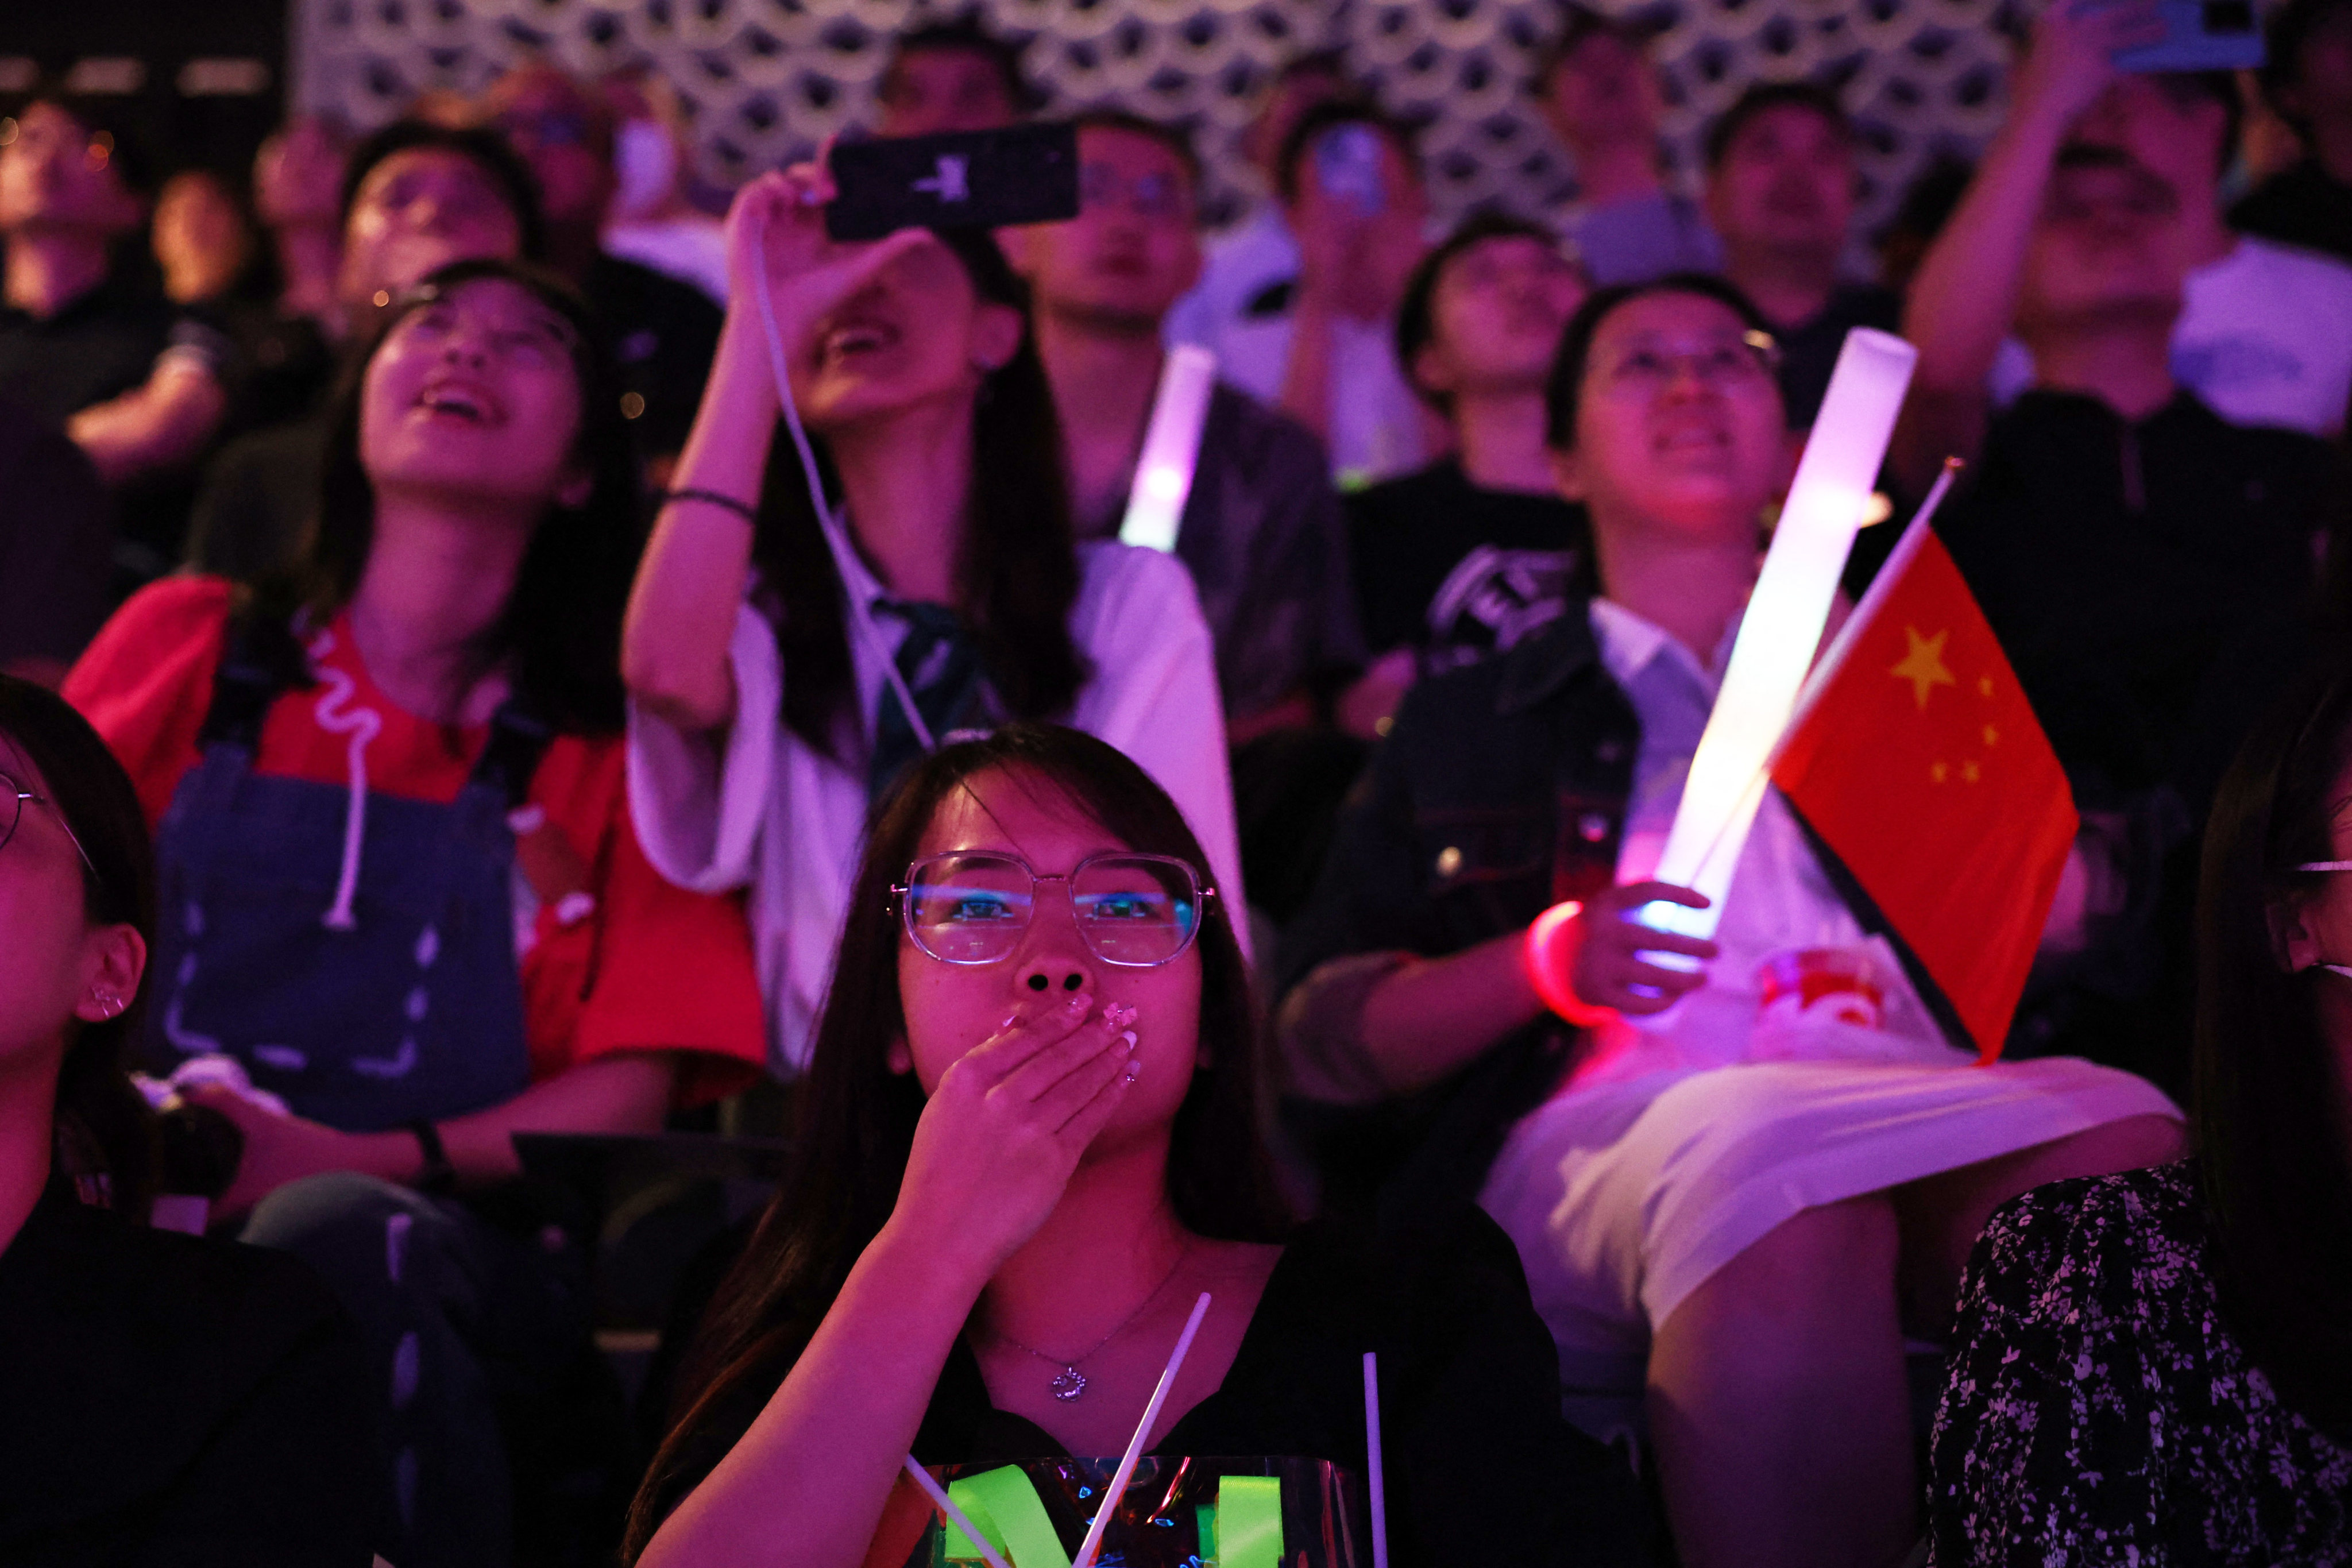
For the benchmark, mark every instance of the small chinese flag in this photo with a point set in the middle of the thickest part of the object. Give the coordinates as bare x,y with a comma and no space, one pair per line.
1916,758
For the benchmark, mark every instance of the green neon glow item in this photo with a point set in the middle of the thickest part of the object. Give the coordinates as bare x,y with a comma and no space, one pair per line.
1243,1529
1005,1505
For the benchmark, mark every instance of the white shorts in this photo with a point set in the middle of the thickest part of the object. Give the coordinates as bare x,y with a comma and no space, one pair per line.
1624,1198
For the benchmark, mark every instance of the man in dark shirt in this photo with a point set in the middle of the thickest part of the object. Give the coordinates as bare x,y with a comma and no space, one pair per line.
1467,556
1781,184
54,556
2307,79
663,332
952,76
2148,568
136,386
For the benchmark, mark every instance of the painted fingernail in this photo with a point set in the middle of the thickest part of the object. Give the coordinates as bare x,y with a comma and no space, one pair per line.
1134,1070
1130,1038
1010,1019
1116,1017
1080,1003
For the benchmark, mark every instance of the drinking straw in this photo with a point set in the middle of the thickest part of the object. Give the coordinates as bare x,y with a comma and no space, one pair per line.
1372,1453
938,1494
1126,1471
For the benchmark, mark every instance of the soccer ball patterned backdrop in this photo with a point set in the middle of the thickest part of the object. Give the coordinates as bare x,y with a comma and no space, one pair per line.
764,79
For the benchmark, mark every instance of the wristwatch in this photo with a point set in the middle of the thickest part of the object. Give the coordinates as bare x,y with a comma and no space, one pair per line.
437,1176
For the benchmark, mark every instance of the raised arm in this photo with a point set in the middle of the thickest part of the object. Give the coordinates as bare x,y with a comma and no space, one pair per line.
1964,297
164,421
804,1488
682,605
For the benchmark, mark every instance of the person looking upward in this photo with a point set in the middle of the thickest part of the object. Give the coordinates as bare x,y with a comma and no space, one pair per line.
1600,93
402,897
1476,551
786,663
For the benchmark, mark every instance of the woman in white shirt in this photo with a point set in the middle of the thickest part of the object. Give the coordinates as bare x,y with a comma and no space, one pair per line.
773,672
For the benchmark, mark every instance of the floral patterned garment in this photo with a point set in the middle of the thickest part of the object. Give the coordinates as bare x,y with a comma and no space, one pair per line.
2098,1409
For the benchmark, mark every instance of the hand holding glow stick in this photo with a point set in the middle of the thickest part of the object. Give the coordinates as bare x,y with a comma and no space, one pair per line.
1126,1471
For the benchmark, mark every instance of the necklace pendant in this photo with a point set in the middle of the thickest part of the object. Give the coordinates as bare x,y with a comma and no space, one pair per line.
1069,1384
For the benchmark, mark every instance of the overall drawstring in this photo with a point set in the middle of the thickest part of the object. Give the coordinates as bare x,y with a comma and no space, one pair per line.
362,725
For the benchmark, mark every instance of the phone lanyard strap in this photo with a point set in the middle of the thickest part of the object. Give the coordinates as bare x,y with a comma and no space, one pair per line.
861,613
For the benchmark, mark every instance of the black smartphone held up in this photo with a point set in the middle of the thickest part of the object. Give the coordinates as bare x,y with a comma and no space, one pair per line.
2201,36
959,179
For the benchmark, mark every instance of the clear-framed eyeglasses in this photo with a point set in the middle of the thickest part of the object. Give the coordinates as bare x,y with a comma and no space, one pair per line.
13,796
1133,911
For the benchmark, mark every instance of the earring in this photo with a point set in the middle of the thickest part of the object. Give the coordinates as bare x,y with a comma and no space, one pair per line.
109,1002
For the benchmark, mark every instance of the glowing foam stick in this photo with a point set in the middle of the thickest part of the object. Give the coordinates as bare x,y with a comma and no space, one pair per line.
1171,449
1783,628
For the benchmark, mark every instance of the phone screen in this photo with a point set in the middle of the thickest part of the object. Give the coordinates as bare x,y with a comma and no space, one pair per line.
2201,36
959,179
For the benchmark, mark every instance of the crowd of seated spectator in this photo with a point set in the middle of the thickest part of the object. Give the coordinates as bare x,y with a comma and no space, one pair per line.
489,648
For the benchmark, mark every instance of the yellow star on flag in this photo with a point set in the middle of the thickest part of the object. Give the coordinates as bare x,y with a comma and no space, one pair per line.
1922,666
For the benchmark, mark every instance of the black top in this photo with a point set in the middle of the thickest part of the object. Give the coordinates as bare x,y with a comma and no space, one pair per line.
2100,1410
1457,572
54,553
2140,576
2299,206
171,1401
1262,536
99,347
1479,1466
256,500
1809,351
664,334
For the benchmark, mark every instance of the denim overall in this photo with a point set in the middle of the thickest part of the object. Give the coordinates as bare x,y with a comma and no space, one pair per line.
355,951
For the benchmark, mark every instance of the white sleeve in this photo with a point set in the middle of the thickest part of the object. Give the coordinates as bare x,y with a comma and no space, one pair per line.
697,796
1154,696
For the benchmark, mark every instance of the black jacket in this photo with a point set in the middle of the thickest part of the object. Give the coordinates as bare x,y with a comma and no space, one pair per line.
175,1401
1500,791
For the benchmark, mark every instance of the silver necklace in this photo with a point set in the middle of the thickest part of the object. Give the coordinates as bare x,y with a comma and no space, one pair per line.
1069,1383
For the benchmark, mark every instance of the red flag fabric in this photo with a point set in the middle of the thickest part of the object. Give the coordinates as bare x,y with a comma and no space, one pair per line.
1916,758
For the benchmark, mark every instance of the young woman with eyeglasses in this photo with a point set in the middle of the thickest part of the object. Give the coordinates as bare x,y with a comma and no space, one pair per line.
1028,1142
169,1399
400,887
779,686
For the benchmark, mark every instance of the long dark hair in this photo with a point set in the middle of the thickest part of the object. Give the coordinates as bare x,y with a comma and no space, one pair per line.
2270,1092
1016,574
856,1123
560,633
103,1126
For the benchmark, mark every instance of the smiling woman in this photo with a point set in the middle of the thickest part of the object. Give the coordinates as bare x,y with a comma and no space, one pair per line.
398,880
782,678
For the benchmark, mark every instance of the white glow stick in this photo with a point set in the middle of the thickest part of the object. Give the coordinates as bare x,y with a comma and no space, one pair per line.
1126,1471
939,1495
1171,449
1783,628
1373,1453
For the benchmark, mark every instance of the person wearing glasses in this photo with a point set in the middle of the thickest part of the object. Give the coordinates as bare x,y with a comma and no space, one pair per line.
170,1399
1028,1145
400,888
2157,1366
785,665
1738,1204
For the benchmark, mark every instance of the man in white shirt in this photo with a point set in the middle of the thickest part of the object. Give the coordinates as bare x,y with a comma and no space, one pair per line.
2264,335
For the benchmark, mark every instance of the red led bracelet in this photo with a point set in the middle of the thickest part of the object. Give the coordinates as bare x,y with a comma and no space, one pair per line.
1550,958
